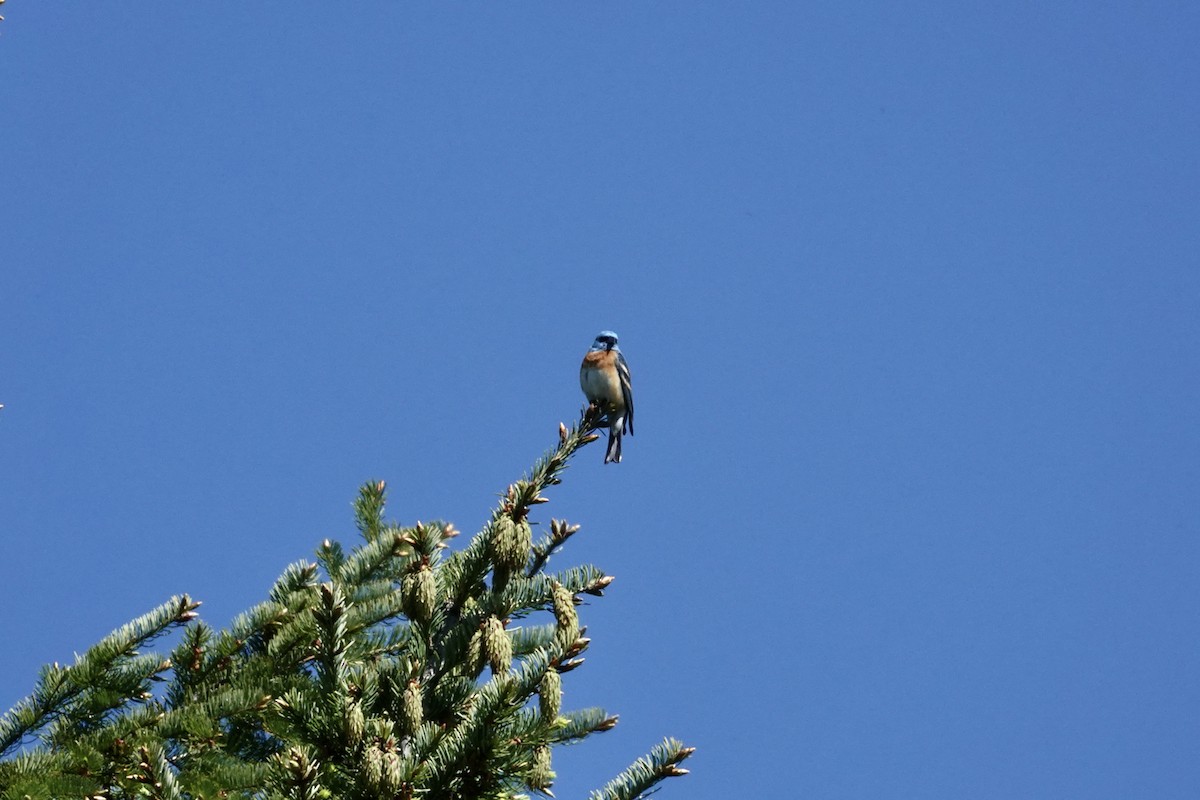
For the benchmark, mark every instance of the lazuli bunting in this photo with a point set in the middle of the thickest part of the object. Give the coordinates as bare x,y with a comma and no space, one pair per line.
604,377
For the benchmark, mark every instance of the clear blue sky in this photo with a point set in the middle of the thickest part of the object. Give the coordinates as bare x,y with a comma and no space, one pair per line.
911,297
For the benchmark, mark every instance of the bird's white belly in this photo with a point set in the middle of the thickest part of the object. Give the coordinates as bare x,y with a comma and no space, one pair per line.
600,386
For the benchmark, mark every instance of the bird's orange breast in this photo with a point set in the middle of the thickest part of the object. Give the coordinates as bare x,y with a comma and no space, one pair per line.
598,359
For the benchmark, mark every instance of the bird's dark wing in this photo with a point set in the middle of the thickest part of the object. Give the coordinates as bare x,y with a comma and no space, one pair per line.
626,391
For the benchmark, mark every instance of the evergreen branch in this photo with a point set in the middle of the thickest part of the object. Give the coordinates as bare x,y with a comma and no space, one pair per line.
528,638
581,723
330,617
203,719
297,774
188,658
294,641
30,764
45,785
384,641
253,630
124,683
642,775
429,538
536,593
487,747
139,722
584,579
498,699
259,629
560,531
331,556
365,686
461,576
527,673
369,591
365,614
215,773
58,687
155,774
384,556
368,509
469,567
297,580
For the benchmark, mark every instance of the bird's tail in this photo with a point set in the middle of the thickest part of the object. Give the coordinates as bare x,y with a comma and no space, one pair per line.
613,456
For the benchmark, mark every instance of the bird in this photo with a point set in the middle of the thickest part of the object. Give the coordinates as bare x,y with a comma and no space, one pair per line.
604,377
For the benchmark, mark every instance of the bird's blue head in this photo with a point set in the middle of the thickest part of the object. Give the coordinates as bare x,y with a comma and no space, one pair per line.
605,340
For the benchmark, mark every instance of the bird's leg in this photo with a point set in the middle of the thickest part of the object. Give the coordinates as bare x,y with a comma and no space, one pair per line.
597,416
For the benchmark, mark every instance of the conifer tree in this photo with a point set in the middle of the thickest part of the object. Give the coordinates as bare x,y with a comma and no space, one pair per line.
399,668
